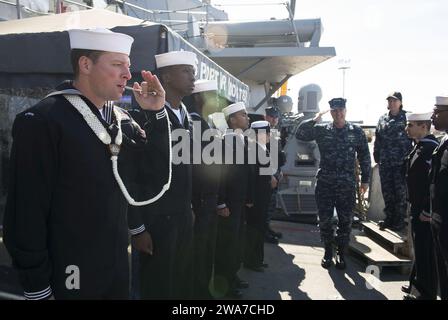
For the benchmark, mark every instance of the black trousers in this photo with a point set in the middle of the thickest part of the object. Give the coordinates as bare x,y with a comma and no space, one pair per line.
205,229
229,247
168,272
256,227
424,272
110,284
272,207
440,237
255,231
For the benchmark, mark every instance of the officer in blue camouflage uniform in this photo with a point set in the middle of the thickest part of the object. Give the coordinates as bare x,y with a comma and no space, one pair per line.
391,147
340,143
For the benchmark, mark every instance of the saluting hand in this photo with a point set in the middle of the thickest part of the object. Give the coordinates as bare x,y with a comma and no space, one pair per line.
142,92
319,115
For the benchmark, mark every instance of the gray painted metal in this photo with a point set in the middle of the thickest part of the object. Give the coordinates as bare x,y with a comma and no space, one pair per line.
272,91
269,33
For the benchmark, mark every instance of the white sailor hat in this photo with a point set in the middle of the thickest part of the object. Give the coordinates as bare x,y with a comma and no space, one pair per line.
175,58
441,101
205,85
233,108
260,125
100,39
419,116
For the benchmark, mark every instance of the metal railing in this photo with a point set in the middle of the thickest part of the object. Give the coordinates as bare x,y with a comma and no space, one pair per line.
20,6
162,11
78,4
122,2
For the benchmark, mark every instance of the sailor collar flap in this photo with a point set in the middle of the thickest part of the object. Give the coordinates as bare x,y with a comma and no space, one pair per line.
73,97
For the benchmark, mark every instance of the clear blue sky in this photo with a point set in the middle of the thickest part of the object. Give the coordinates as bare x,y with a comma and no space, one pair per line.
392,45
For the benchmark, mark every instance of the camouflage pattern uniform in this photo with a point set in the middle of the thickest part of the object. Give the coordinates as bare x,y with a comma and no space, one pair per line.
336,182
391,147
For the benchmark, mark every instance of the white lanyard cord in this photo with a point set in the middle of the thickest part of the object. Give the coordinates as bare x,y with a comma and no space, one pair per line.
104,136
164,188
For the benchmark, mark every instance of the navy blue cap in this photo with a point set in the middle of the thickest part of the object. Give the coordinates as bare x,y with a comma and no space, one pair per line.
395,95
273,112
337,103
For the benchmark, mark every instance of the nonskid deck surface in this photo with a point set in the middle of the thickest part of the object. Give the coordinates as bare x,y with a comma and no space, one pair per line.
294,272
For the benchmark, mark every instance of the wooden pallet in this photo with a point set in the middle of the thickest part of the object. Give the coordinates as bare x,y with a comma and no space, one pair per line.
373,254
390,239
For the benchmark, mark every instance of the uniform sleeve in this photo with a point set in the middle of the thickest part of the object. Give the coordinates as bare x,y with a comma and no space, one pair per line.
442,192
423,202
363,155
132,136
222,195
151,121
406,145
405,141
307,131
33,165
252,178
377,144
135,218
155,125
428,152
199,183
222,189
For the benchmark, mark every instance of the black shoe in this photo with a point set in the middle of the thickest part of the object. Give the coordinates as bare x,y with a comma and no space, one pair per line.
406,289
340,258
384,224
326,263
254,268
398,227
240,284
275,234
235,293
409,297
327,260
271,239
340,262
